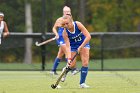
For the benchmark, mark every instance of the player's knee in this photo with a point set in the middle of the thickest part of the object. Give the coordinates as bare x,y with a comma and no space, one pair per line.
85,64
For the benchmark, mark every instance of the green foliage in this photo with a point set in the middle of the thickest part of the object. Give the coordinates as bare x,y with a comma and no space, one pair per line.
14,14
101,16
114,15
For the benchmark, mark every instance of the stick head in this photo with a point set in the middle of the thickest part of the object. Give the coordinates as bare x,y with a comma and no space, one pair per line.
53,86
37,44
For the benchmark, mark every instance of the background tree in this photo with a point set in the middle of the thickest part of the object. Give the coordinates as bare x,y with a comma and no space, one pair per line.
114,15
29,29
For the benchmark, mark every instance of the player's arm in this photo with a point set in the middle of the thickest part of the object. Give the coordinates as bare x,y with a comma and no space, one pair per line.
68,49
6,31
85,32
56,25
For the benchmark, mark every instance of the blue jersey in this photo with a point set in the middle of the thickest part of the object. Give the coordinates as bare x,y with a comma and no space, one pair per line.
60,40
76,38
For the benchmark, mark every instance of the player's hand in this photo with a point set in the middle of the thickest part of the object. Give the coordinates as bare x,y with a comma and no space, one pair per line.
79,49
5,34
69,62
57,36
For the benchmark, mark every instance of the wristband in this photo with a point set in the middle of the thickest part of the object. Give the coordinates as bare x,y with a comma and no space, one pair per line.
69,58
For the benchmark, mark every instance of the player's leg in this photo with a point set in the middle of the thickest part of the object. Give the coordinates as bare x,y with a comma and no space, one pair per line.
74,70
57,60
84,54
61,51
63,48
74,63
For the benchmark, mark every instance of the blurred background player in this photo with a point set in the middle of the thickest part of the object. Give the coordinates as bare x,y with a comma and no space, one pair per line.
77,39
58,31
3,27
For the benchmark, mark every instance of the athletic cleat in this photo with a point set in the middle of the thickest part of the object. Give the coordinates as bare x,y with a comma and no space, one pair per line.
83,85
76,71
53,73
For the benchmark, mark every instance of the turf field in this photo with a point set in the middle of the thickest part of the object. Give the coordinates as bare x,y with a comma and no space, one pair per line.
100,82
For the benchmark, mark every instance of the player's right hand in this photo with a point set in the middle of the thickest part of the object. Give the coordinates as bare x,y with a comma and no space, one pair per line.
57,36
69,62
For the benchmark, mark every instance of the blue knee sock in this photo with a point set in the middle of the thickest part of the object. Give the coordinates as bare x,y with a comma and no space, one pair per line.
56,63
84,72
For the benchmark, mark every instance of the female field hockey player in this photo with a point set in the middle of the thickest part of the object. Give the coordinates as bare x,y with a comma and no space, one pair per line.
3,27
77,39
60,40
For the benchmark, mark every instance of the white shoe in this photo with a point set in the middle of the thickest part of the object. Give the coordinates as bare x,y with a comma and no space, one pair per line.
75,71
53,73
58,86
83,85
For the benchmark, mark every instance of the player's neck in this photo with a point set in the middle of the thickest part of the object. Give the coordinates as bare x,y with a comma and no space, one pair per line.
71,29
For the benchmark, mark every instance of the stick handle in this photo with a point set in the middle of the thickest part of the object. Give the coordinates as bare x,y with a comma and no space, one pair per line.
45,42
64,71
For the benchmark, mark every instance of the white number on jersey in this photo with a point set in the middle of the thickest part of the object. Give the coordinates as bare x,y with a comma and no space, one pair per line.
78,39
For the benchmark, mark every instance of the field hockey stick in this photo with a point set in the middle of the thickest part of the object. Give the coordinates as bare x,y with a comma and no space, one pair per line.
63,72
44,42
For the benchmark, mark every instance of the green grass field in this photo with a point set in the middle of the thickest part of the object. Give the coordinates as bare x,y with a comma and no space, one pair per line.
99,81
